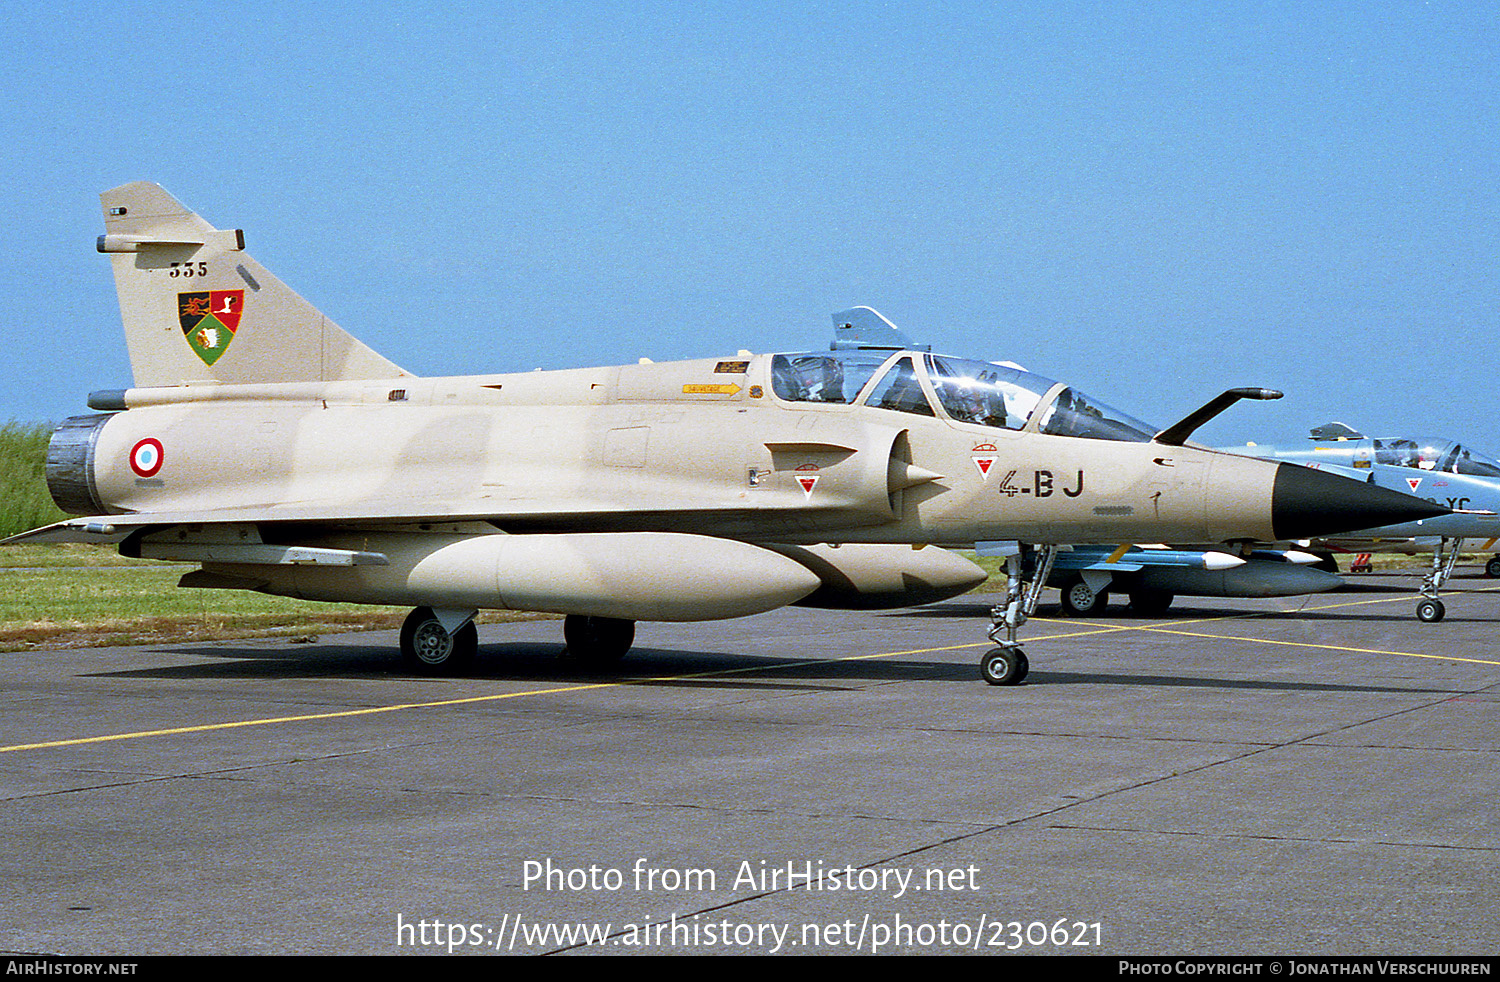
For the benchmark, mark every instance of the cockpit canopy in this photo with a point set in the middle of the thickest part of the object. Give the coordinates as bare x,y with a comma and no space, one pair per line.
1435,455
976,392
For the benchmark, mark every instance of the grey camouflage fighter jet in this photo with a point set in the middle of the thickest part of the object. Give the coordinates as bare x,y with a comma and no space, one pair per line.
266,444
1441,471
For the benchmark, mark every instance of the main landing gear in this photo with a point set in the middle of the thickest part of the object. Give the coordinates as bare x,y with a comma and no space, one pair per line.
1007,664
441,641
597,642
1080,599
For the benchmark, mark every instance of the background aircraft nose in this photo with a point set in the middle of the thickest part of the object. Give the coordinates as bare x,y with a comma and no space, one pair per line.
1305,503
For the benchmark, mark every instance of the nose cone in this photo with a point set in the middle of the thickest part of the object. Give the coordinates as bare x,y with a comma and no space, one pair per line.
1306,503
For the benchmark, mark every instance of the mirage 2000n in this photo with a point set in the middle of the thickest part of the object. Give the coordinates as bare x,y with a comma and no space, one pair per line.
265,443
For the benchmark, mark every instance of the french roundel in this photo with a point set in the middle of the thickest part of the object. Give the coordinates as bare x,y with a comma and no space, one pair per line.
146,456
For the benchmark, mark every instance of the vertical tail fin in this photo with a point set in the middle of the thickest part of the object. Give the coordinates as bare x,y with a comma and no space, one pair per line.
197,308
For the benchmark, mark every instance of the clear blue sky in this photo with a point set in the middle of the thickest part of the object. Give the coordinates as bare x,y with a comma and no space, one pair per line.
1154,201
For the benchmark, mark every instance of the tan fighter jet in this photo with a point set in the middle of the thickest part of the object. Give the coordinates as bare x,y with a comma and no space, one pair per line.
284,456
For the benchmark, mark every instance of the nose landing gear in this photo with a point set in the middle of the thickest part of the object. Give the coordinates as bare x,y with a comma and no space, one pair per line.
1007,664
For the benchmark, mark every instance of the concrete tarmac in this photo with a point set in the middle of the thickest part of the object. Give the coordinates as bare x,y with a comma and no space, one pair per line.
1311,775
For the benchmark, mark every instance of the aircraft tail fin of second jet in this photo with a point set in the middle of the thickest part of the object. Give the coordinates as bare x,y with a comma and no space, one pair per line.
198,309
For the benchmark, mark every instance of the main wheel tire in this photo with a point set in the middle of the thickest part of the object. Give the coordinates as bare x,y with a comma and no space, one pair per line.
1430,611
426,646
1002,666
1150,603
597,642
1492,568
1079,599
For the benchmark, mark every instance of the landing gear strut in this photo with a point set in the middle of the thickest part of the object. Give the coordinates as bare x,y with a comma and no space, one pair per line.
1430,609
1007,664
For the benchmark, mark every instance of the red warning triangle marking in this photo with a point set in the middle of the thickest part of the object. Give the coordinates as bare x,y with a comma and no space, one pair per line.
1415,482
808,481
984,464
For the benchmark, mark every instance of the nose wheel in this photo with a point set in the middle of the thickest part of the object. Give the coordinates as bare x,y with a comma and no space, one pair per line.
1007,664
1430,611
1004,666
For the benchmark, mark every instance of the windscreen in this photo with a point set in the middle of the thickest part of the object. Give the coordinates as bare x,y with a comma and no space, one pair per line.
1466,461
1074,414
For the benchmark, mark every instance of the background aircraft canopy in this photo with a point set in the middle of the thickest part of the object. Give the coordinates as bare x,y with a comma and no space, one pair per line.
979,392
1436,455
1442,456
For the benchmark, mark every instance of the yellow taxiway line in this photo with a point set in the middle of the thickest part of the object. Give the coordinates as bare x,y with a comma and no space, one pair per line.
496,697
467,700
